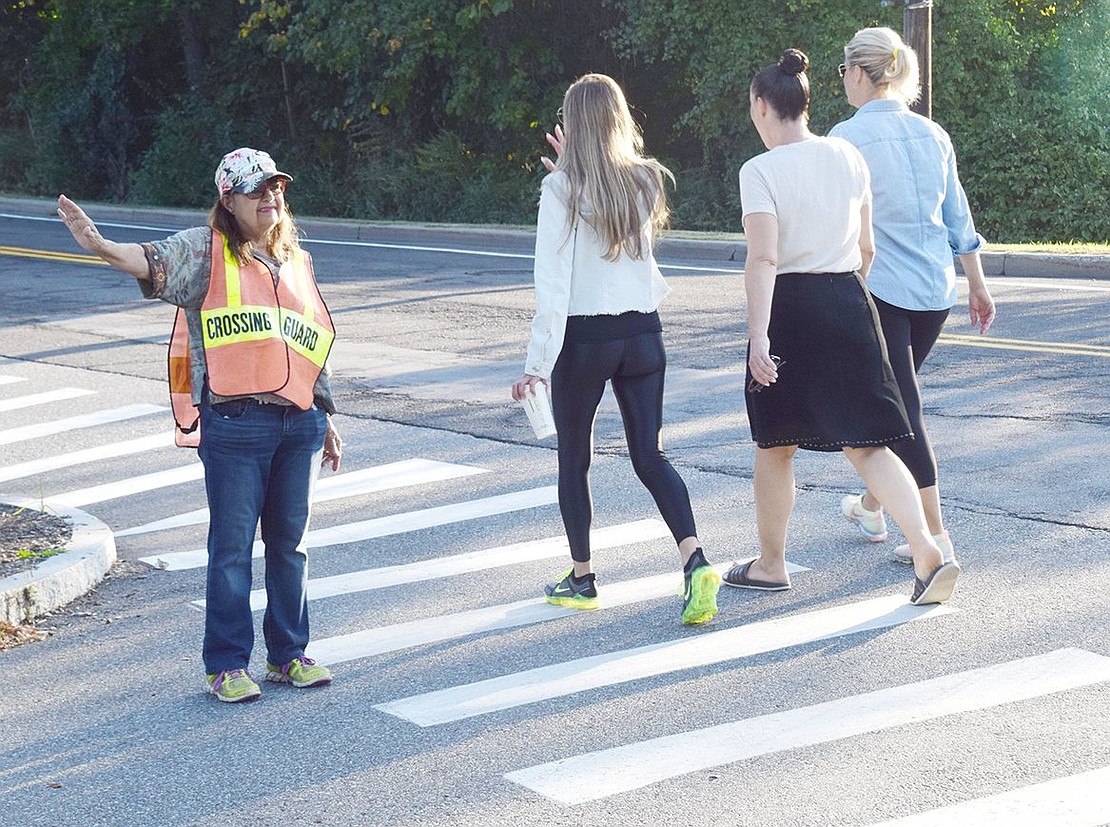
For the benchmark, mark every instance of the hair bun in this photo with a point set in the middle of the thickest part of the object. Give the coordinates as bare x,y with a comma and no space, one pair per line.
793,62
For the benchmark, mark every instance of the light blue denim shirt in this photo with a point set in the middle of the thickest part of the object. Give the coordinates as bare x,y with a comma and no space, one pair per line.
920,210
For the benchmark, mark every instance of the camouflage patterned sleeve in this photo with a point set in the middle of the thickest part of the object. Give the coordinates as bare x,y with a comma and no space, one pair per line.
179,268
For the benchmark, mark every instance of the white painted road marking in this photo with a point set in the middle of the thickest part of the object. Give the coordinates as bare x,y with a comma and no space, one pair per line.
1076,801
384,526
351,484
60,426
44,398
116,449
132,485
595,775
440,567
8,380
559,679
382,639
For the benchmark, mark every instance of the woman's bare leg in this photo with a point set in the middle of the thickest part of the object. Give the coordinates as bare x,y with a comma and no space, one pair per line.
774,502
887,478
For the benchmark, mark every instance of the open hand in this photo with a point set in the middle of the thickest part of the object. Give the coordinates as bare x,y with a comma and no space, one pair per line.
80,226
556,142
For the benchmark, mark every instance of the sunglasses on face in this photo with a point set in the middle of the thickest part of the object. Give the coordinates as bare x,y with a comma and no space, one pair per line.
755,387
274,185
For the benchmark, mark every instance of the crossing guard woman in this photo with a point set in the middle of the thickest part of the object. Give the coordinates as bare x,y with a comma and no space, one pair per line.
249,387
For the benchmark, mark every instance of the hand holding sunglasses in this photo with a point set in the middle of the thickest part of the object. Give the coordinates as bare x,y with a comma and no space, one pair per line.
756,387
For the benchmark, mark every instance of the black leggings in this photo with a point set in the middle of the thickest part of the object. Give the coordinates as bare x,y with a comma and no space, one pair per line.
636,366
910,335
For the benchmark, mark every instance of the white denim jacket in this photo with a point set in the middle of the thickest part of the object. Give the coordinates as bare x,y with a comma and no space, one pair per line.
574,279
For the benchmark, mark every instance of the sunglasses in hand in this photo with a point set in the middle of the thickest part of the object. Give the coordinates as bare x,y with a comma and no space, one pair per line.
755,387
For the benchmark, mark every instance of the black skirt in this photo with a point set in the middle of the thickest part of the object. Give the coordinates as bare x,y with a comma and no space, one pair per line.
835,388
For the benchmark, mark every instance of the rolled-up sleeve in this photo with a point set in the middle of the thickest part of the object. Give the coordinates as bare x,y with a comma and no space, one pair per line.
552,271
180,267
956,212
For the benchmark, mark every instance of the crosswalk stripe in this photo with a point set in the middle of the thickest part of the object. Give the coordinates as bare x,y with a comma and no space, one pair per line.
440,567
384,526
131,485
73,423
355,483
559,679
588,777
1081,800
8,380
381,639
116,449
44,398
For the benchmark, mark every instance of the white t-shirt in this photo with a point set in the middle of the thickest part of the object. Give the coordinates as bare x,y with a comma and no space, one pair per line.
816,189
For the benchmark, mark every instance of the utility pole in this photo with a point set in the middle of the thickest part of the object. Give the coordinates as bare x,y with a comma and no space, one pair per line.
917,31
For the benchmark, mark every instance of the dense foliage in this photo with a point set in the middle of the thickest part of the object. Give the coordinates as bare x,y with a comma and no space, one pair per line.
434,110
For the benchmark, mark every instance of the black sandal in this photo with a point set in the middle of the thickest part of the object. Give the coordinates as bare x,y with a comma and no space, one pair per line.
938,588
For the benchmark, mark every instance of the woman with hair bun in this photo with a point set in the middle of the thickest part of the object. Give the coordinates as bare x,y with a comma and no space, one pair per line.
818,375
921,220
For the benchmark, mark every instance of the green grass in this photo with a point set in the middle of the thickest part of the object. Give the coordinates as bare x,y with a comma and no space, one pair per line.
25,554
1061,248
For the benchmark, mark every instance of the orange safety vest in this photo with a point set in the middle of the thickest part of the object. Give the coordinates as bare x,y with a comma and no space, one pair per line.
258,337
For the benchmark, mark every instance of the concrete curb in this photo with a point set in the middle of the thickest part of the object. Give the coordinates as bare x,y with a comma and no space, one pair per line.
724,250
58,580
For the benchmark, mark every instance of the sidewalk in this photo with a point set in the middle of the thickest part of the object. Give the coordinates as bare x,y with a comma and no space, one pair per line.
59,580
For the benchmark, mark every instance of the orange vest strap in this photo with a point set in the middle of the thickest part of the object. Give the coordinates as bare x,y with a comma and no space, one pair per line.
185,414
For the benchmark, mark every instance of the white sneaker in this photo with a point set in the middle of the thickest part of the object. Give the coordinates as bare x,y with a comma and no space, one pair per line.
872,524
902,553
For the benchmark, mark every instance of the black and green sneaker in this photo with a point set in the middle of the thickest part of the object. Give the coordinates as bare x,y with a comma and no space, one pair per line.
572,592
700,583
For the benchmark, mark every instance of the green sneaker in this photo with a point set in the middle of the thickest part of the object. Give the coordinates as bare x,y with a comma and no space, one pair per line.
573,595
699,595
300,672
233,686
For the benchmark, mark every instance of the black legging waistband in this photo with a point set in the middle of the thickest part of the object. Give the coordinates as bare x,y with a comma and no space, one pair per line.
610,328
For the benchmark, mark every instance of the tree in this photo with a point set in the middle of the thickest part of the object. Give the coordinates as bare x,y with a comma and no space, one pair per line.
431,111
1010,77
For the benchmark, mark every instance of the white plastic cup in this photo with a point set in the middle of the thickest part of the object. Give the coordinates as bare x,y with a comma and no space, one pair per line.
538,408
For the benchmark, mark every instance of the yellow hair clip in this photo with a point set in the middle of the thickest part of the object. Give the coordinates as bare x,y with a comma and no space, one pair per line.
894,54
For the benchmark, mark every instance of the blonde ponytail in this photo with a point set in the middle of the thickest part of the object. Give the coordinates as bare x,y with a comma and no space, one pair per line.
886,60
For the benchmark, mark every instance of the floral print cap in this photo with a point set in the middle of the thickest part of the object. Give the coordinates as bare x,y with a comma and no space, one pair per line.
245,169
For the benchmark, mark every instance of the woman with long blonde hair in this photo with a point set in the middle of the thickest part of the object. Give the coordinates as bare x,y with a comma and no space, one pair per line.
598,289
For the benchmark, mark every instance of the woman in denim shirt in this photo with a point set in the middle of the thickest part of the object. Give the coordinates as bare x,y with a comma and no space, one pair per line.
922,220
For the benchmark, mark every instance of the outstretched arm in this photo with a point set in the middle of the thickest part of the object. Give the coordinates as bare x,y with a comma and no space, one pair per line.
129,258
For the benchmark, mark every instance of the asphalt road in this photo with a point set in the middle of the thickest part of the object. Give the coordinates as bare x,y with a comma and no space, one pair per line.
827,704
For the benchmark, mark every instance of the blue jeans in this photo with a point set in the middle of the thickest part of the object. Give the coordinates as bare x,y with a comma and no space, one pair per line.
260,463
